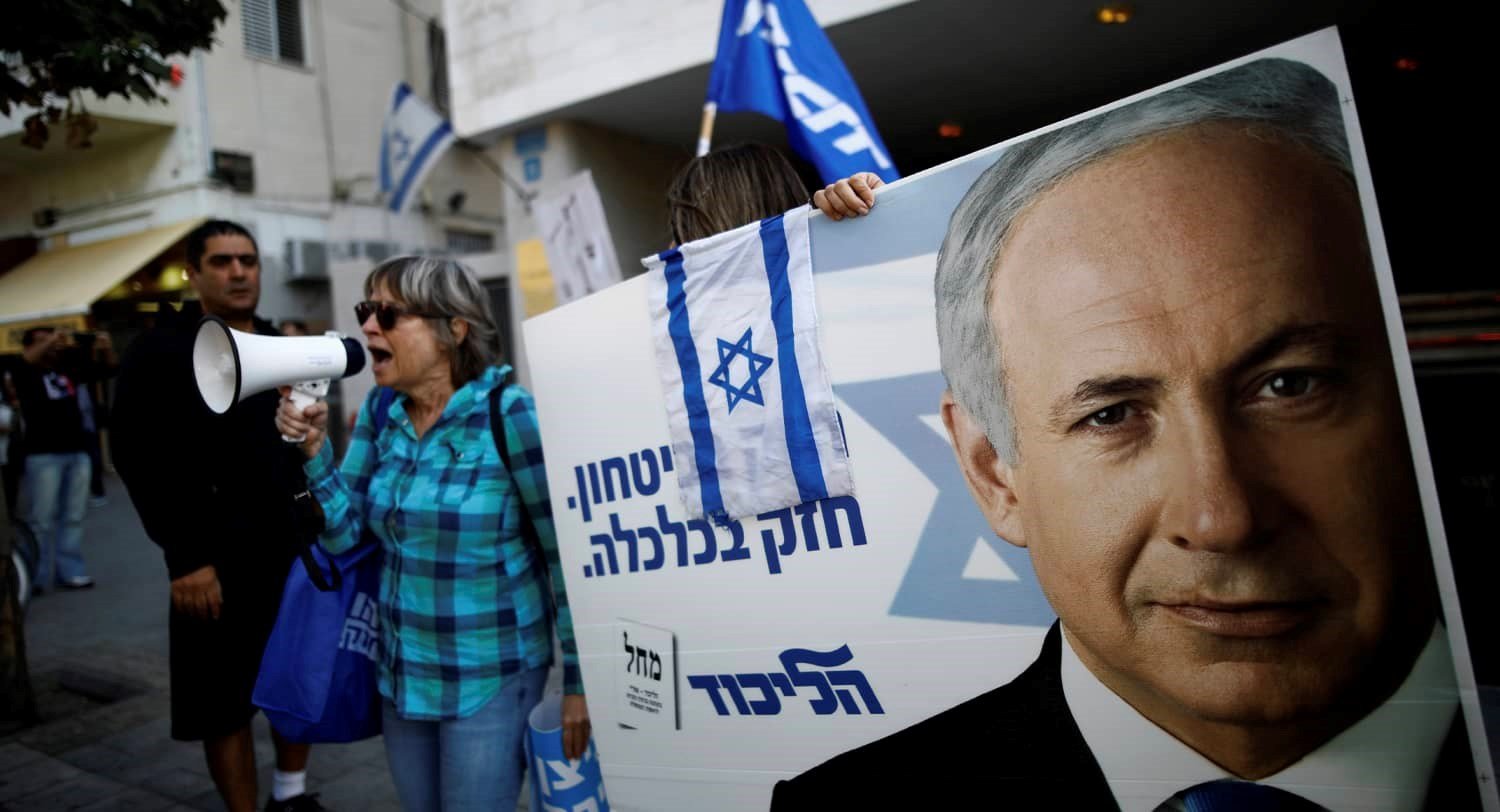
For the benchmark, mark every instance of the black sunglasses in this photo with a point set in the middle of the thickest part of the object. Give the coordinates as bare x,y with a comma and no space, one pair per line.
386,313
223,260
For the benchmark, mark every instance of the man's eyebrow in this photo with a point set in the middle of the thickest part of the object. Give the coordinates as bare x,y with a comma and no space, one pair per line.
1097,389
1318,336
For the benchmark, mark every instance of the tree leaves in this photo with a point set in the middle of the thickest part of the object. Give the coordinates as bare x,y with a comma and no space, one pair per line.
54,49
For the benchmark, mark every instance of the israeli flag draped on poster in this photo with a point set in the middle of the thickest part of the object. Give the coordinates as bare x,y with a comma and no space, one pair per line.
773,59
414,137
751,412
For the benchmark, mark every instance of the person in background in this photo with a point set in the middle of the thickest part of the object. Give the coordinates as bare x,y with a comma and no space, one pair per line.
215,493
465,631
293,327
91,364
55,485
740,184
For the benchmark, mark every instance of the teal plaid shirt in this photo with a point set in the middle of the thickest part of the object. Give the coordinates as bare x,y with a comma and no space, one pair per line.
463,602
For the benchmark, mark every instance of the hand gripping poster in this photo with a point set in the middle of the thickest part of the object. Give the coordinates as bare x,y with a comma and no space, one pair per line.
1141,517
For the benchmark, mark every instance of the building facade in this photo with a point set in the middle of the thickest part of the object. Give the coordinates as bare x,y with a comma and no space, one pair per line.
278,126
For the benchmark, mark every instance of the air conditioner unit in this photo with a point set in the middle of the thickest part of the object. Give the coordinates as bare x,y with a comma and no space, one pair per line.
306,261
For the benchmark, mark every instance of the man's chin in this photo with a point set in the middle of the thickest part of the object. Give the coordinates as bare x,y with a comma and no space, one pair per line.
1256,694
233,311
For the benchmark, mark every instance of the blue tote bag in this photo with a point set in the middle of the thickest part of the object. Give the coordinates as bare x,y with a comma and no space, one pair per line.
318,679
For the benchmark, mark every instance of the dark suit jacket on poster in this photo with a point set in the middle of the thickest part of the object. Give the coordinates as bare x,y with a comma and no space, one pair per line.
1016,747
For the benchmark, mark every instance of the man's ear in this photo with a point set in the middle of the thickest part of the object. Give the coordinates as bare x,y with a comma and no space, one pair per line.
990,478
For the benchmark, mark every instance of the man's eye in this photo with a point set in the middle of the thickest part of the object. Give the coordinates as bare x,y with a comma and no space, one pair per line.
1288,385
1108,416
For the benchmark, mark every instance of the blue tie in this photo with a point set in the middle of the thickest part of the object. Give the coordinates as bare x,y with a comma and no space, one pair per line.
1243,796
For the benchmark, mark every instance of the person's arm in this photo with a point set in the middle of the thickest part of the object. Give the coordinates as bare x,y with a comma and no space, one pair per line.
340,490
528,471
157,428
853,196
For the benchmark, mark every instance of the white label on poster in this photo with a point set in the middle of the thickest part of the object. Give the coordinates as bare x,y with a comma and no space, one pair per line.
579,250
646,680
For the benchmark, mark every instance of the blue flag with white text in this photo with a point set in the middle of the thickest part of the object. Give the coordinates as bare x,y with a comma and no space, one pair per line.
773,59
412,140
749,405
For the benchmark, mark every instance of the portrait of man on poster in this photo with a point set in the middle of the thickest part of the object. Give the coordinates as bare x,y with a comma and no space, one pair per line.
1170,381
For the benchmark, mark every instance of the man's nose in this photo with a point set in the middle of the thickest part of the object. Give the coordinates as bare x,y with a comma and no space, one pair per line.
1211,489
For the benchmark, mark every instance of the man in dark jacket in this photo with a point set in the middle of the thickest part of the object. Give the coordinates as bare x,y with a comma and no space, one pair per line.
214,492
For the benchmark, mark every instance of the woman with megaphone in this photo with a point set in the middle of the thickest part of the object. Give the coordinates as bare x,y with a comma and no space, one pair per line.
444,472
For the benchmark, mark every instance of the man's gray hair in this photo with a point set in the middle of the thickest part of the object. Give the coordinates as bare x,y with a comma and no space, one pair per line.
1273,98
444,289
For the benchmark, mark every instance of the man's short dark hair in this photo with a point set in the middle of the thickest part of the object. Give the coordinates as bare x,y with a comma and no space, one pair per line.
197,239
29,337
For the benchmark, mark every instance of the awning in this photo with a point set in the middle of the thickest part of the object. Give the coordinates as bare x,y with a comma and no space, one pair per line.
67,281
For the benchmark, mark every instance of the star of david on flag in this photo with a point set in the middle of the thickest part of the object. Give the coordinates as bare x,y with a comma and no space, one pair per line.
750,389
755,282
413,138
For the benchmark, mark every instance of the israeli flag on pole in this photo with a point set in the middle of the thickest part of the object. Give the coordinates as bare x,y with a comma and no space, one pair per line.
752,417
773,59
413,139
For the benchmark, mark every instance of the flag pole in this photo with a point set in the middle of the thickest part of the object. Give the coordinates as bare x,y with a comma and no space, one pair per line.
706,128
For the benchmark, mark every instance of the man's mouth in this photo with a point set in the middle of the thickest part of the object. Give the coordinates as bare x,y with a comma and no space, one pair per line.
1247,619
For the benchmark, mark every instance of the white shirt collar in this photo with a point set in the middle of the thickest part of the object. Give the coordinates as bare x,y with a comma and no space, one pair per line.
1382,762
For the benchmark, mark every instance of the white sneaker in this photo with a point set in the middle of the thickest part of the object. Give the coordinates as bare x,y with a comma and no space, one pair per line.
77,582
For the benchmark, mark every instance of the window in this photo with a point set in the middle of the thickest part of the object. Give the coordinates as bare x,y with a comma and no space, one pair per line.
273,29
437,64
469,242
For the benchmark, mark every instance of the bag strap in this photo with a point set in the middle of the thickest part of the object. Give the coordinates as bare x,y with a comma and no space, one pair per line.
382,408
528,530
334,581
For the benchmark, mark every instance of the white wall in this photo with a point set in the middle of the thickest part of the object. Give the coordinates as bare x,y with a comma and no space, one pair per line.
161,149
271,110
511,60
632,177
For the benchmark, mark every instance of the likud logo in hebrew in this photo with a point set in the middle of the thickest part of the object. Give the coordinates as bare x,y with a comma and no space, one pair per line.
762,694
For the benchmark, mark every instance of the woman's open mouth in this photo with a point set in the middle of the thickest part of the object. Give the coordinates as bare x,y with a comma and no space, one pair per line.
379,358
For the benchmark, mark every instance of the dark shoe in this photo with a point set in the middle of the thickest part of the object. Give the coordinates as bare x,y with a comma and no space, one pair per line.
76,582
306,802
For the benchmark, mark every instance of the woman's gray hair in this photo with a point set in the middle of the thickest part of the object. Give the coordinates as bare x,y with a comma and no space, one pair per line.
1273,98
446,289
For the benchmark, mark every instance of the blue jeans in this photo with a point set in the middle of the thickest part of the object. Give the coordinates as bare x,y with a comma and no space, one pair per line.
475,763
54,497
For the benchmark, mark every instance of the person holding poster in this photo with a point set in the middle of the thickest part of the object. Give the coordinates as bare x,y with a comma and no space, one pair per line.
1170,382
740,184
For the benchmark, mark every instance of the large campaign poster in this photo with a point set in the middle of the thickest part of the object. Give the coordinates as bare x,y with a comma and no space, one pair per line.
1206,460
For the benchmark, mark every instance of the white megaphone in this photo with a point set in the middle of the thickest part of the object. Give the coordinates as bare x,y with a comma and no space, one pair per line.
231,365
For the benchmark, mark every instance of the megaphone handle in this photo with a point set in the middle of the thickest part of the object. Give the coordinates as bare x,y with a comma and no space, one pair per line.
303,395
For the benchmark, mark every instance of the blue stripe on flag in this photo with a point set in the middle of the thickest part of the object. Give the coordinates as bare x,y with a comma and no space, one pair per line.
413,168
402,91
801,443
692,385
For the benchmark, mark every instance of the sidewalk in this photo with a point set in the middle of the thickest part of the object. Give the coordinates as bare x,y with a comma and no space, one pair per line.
111,641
